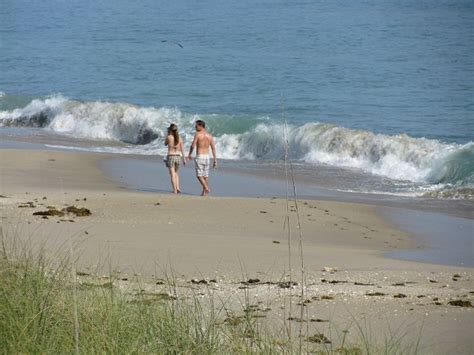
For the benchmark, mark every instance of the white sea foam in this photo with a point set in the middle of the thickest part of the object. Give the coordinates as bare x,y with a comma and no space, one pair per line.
96,120
398,157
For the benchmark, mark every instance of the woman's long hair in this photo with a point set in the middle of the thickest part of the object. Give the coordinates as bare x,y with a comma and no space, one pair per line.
173,129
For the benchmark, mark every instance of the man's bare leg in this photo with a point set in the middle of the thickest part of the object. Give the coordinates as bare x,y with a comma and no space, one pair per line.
207,184
205,188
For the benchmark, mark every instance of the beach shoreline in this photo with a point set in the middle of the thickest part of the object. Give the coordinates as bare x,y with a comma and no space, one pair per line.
28,174
260,178
120,171
234,247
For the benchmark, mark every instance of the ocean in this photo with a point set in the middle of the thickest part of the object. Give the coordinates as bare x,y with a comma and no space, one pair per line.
378,95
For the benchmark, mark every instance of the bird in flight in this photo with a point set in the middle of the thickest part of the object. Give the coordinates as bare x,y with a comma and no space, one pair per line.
173,42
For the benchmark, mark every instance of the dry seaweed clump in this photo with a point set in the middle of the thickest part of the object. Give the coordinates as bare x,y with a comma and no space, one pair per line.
460,303
375,294
80,212
50,212
53,211
28,204
319,338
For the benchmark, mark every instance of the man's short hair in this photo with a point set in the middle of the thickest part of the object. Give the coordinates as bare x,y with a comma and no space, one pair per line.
201,123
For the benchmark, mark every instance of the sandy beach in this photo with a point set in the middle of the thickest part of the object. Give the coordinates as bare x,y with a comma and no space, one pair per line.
237,248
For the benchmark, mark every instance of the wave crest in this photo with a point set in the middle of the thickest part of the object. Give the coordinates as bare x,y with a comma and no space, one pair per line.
95,120
399,157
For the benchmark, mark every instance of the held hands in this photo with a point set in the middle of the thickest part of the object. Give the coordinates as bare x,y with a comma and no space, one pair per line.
214,165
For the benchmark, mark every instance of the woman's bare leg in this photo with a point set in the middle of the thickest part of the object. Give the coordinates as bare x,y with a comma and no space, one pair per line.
173,180
178,189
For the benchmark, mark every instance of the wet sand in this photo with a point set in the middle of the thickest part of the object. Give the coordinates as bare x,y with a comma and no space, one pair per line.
236,241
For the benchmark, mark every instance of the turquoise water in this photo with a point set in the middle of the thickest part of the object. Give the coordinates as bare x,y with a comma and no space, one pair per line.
383,87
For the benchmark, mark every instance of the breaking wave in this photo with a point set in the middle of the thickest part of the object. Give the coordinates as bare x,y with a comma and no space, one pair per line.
399,157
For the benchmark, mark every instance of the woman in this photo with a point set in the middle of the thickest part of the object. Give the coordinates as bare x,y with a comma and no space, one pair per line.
175,155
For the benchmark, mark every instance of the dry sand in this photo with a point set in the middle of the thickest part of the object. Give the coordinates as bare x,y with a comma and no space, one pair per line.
223,242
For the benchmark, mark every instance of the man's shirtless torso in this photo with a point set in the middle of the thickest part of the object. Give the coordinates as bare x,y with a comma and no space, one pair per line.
202,141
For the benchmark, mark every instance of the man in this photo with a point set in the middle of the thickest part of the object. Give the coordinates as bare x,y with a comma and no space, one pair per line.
202,141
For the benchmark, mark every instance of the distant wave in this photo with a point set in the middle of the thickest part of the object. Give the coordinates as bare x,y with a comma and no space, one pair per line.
400,157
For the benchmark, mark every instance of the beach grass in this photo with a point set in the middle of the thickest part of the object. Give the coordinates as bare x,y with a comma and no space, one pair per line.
46,308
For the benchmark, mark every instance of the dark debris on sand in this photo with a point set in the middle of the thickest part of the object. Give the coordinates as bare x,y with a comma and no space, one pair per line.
28,204
78,211
334,281
327,297
49,212
460,303
281,284
53,211
203,281
318,338
375,294
363,284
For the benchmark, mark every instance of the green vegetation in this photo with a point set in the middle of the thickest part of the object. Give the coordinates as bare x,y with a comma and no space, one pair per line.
44,309
38,315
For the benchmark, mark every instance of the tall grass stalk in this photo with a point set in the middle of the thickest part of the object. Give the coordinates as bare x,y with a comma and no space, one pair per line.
288,225
74,294
289,164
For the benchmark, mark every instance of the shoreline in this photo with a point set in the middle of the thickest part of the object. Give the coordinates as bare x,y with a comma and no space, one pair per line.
120,170
441,238
62,178
311,184
103,178
236,249
427,251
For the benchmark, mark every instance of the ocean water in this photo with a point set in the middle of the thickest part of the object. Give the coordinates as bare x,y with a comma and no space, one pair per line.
382,91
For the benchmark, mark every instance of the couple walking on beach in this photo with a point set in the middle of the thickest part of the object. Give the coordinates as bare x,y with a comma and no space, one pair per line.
202,141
